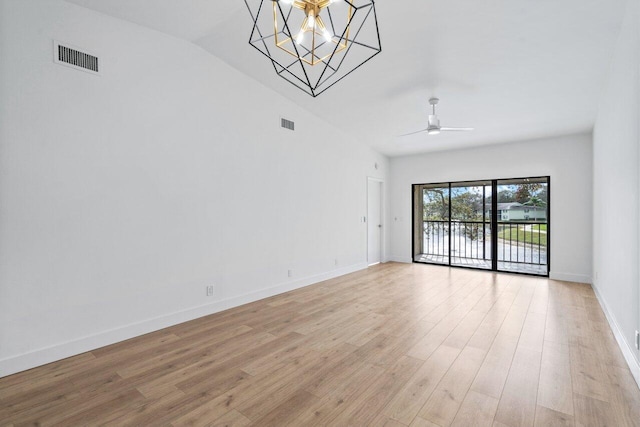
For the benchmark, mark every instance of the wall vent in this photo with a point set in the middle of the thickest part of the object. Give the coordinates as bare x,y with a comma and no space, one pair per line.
65,55
287,124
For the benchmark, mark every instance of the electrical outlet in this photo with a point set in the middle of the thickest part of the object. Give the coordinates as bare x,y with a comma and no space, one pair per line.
638,340
290,273
210,290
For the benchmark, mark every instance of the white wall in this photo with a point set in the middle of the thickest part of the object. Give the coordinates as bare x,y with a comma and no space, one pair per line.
567,160
617,189
123,196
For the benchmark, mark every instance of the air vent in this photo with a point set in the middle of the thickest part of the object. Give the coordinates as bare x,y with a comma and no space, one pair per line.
287,124
72,57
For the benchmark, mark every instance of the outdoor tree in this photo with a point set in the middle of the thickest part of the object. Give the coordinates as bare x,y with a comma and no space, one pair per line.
435,207
435,204
506,196
543,194
524,192
466,206
535,201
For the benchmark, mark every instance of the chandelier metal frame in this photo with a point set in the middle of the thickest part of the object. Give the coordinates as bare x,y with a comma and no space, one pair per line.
336,37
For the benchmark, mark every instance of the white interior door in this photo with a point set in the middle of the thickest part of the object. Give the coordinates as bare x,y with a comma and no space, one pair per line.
374,221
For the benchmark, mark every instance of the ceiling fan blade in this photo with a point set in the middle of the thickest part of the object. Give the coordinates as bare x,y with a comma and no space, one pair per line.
455,129
413,133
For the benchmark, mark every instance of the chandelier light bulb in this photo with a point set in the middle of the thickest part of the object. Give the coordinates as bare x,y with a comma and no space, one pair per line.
327,35
311,21
300,37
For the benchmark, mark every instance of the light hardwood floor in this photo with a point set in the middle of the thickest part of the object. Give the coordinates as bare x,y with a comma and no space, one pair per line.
394,345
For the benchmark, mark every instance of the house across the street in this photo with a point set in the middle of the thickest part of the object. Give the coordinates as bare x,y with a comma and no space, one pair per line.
514,211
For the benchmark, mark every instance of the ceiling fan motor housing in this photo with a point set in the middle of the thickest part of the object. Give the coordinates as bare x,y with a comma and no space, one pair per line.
434,122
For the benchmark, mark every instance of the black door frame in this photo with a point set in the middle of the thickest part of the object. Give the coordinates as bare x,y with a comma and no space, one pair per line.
494,223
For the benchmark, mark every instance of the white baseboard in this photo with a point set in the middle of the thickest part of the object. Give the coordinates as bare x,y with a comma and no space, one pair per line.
627,350
405,260
60,351
570,277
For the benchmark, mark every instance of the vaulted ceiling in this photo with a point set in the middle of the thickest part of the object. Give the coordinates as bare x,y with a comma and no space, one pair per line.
512,69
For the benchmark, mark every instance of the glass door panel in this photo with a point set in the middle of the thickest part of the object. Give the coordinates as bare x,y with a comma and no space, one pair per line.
523,228
431,243
471,224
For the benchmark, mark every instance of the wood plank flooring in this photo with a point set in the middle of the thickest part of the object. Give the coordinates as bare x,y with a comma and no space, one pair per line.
394,345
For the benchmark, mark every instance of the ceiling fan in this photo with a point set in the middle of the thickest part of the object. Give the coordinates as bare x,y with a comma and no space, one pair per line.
434,127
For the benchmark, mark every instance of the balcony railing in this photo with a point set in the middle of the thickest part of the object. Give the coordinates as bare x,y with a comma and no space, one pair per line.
518,242
522,242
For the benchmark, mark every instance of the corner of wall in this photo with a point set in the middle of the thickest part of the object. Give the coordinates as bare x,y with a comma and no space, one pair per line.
398,258
571,277
625,347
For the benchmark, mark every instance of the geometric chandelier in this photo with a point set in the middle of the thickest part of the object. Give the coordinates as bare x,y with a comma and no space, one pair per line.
313,44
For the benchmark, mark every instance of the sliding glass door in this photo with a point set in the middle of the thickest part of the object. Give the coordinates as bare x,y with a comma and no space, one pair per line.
462,224
431,219
523,225
470,225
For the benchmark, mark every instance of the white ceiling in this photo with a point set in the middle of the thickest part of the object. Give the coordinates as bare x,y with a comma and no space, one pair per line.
513,69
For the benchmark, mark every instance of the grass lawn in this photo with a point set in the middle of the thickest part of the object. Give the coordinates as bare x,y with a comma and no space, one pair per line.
519,234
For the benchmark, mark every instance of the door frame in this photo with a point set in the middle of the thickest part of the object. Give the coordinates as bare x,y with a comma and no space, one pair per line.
382,218
494,222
